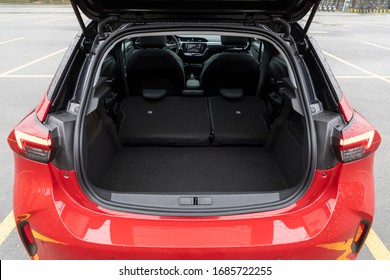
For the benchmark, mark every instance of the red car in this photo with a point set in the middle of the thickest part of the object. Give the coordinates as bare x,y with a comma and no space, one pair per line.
194,130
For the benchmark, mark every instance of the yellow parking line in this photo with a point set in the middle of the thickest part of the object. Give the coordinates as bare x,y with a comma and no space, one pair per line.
6,227
376,247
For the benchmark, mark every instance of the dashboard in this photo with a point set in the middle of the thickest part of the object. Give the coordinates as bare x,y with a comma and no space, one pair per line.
194,48
193,45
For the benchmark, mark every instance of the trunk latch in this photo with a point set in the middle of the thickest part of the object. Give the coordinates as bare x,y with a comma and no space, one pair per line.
195,200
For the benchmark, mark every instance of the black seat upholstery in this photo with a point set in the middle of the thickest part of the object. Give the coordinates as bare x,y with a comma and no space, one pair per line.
153,67
231,116
277,68
156,113
238,121
232,69
231,80
170,121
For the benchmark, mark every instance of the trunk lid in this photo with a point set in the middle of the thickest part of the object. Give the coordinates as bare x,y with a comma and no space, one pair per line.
288,10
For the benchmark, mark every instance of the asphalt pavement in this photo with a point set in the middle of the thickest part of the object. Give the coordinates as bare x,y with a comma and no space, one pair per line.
34,38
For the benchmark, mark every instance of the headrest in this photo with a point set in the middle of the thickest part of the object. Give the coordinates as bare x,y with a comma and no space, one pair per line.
154,94
152,42
232,93
233,41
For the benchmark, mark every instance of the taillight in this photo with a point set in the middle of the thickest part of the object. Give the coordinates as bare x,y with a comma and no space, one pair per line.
358,140
27,237
31,139
360,236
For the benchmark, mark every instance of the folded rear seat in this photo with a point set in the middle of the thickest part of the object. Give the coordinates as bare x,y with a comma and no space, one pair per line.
167,121
237,119
231,79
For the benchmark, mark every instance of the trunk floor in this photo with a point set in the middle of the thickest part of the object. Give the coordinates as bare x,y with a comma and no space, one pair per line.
193,169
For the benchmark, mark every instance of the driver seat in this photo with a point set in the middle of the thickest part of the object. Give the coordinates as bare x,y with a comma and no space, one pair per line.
234,69
153,67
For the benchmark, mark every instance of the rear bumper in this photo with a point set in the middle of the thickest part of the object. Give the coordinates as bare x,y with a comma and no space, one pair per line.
320,225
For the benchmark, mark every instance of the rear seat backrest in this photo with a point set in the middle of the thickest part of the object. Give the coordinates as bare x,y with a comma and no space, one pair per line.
170,121
230,117
156,113
277,69
233,69
154,67
231,80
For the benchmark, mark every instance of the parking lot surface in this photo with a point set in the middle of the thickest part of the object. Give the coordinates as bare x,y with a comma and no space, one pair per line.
34,38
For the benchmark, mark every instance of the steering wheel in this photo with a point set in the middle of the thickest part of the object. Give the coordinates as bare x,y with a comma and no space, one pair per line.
173,43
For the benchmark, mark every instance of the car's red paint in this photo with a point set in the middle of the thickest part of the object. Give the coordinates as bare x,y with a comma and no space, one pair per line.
57,217
320,225
346,109
43,108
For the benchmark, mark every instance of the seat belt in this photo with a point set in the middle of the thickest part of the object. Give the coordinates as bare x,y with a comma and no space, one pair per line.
120,60
264,59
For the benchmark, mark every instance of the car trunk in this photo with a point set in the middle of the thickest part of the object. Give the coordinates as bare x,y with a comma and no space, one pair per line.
275,163
164,149
193,169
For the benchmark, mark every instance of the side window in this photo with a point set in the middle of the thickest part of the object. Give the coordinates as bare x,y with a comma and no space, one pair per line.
255,48
109,67
128,49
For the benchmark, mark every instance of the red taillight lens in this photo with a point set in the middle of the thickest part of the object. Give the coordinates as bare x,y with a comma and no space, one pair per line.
27,237
26,231
31,139
358,140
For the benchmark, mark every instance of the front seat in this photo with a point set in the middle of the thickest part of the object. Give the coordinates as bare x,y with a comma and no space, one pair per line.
231,79
235,70
152,67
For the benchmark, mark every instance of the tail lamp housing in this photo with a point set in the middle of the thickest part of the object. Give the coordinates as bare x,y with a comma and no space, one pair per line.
360,237
31,139
358,140
27,237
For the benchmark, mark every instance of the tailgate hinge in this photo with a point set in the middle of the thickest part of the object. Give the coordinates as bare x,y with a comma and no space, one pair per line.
281,24
104,25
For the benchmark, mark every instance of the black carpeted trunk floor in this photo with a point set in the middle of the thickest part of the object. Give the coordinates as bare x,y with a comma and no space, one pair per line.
193,169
